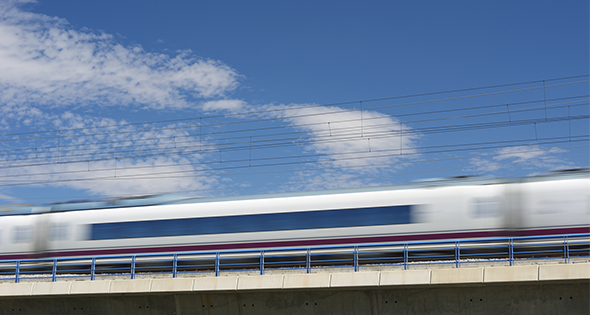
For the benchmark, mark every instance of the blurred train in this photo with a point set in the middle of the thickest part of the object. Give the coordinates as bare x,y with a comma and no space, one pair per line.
455,208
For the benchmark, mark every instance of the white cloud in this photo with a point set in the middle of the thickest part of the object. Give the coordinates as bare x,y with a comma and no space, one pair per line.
528,157
225,105
44,61
350,146
111,161
521,154
46,66
349,140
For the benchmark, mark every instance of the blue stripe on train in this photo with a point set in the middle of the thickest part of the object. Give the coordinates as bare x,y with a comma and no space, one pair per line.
341,218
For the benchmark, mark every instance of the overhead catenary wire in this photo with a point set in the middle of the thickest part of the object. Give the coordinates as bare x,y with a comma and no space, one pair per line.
334,157
313,106
307,183
286,117
365,177
160,175
351,136
168,176
173,153
217,145
300,126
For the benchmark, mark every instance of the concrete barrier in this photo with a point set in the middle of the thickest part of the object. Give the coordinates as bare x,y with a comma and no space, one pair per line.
260,282
226,283
51,288
16,289
306,281
511,274
171,285
355,279
135,286
90,287
404,277
564,272
362,279
454,276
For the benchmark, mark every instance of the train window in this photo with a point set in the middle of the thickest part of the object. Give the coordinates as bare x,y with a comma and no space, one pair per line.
22,234
485,207
323,219
58,231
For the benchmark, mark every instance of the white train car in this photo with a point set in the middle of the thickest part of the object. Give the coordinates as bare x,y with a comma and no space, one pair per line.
446,209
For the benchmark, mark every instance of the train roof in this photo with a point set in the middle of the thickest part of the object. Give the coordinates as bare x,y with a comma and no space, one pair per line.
166,199
436,182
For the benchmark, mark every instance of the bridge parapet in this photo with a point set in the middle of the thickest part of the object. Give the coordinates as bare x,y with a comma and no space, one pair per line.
336,280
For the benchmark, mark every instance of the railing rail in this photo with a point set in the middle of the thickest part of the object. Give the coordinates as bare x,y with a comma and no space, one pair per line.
405,255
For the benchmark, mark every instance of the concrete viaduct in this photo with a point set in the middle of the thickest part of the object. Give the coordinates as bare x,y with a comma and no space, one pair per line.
524,289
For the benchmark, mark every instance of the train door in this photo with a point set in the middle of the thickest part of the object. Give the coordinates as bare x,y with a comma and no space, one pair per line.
40,235
512,205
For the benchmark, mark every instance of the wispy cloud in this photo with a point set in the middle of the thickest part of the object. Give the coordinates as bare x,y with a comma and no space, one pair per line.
44,61
534,158
352,138
47,67
232,106
351,143
111,161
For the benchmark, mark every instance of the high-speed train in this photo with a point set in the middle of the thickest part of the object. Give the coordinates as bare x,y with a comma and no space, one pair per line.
457,208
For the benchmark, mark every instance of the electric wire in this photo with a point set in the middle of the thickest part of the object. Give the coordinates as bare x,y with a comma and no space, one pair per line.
334,157
319,105
341,167
286,117
350,130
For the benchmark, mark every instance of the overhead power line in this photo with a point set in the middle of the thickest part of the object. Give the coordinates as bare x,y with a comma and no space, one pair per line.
312,106
207,172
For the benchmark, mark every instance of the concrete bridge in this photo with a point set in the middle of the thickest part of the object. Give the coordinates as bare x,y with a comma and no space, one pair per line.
524,289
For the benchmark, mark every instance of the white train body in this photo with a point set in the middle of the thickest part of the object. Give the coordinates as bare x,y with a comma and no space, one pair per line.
532,206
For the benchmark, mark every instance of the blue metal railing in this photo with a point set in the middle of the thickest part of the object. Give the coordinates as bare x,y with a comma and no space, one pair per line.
449,252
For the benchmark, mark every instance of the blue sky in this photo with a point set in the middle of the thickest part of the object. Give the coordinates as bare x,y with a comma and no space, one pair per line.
294,73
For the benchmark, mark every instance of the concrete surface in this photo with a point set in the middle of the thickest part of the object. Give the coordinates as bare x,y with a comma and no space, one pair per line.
51,288
306,281
405,277
90,287
543,289
216,283
355,279
514,273
452,276
260,282
564,272
171,285
460,275
536,298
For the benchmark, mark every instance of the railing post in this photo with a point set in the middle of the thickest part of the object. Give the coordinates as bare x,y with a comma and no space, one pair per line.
566,249
217,264
174,265
92,269
54,271
511,252
262,263
405,256
17,272
308,261
133,267
457,254
356,259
